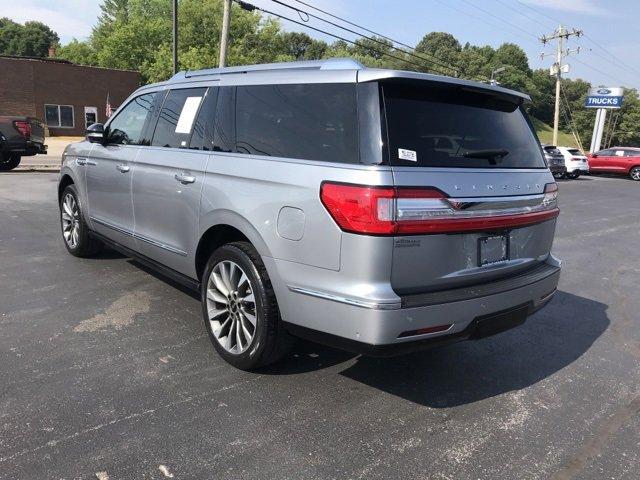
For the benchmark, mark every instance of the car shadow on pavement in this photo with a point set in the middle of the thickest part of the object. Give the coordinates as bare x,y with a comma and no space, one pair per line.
467,372
471,371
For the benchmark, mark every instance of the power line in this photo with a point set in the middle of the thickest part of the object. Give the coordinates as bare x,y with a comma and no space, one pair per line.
519,12
621,64
299,11
494,24
536,11
513,25
349,22
611,55
251,7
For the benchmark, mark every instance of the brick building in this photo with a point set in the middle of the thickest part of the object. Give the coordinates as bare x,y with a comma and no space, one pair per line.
63,95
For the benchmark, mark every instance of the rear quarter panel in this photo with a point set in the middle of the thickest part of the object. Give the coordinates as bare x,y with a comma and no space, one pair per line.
277,202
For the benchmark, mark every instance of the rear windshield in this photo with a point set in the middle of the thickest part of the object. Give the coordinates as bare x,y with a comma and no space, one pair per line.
575,151
437,127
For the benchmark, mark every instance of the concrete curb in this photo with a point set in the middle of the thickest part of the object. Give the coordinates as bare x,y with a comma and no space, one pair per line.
36,168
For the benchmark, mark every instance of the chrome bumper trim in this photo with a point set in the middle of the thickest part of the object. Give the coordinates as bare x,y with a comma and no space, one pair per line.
349,301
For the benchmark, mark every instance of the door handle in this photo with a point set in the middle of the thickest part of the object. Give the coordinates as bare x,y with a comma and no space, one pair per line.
90,162
184,178
123,168
81,161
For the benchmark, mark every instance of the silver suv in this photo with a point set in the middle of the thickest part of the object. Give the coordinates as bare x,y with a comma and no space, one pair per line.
379,211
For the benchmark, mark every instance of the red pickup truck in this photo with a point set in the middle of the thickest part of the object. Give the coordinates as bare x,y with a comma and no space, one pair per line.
622,160
19,137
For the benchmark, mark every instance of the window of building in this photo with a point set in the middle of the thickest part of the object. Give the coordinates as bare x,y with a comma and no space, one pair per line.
127,126
60,116
177,118
310,122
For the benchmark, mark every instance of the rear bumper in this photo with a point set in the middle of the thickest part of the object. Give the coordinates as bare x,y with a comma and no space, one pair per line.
578,168
382,328
25,149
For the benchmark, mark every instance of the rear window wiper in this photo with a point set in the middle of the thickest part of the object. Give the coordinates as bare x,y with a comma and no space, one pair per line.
490,155
486,153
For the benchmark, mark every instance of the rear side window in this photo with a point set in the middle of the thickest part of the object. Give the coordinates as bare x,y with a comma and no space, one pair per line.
126,127
201,138
177,117
446,127
309,122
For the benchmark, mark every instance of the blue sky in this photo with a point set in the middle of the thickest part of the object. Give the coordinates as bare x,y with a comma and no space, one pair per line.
610,49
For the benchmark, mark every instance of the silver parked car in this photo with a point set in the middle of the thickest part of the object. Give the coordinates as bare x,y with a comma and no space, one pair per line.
379,211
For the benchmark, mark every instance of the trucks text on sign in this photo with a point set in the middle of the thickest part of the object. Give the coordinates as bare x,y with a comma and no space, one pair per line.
602,97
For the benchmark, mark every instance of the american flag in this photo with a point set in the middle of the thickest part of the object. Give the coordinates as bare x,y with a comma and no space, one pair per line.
108,107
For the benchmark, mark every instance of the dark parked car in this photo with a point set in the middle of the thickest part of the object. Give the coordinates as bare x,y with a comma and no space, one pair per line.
19,137
555,160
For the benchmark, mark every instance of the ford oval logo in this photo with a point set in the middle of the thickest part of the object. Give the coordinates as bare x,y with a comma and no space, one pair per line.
603,91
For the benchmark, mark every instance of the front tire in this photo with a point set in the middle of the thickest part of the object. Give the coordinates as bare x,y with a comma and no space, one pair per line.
75,232
634,173
9,161
240,310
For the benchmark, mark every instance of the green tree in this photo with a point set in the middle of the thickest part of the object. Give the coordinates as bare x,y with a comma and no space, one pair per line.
442,47
80,53
32,39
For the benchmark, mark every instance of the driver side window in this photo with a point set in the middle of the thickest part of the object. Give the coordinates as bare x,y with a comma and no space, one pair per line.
126,128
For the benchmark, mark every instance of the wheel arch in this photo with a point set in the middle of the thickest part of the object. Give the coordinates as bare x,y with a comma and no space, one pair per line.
65,180
221,228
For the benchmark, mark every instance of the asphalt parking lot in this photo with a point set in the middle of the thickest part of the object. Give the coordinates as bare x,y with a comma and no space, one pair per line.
106,372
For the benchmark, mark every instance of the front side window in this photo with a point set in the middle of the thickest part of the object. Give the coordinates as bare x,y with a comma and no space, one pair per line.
127,126
59,116
309,122
177,118
452,127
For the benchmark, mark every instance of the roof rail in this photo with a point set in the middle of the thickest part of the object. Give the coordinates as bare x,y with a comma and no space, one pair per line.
327,64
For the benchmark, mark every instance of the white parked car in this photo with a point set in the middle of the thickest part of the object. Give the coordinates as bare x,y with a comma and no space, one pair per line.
575,161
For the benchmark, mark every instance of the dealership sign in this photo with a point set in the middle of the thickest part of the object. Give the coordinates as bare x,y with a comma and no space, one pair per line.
601,97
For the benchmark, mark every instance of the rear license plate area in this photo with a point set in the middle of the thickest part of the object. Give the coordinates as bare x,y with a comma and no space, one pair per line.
489,325
493,249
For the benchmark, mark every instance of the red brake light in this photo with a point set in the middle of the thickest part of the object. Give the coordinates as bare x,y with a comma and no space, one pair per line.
356,208
23,127
410,211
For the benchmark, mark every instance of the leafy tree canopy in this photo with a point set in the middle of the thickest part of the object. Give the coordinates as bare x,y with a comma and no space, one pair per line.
32,39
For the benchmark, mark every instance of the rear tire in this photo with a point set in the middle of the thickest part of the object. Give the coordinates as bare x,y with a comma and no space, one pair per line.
634,173
9,161
75,232
573,175
558,175
240,310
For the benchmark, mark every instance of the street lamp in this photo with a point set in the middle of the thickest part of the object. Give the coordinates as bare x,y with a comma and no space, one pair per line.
493,74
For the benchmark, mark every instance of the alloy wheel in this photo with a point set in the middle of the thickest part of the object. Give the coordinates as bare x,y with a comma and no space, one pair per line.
635,173
231,307
70,220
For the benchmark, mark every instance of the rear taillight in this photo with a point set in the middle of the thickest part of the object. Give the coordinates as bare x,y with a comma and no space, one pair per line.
23,127
412,211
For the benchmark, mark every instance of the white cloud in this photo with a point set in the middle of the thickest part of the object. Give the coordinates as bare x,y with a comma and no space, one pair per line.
586,7
68,18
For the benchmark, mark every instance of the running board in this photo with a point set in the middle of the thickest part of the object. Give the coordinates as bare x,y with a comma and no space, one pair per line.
163,270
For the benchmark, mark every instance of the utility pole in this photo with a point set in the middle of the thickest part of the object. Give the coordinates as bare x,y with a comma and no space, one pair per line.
493,80
175,36
561,34
224,37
